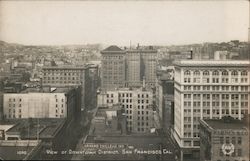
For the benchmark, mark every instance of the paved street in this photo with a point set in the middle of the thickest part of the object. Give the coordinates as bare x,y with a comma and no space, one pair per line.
89,115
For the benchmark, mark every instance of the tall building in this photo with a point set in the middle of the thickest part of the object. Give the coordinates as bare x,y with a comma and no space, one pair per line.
141,64
225,139
134,72
113,68
128,68
207,90
48,103
64,76
137,105
94,84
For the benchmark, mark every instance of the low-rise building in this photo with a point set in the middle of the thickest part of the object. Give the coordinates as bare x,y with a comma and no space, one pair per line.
225,139
137,105
109,121
42,103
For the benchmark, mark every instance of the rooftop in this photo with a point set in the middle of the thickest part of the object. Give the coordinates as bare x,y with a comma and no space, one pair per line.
47,127
213,63
47,90
142,51
65,67
226,123
132,89
112,49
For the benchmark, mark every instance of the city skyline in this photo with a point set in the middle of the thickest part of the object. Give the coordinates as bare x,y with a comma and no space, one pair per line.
157,23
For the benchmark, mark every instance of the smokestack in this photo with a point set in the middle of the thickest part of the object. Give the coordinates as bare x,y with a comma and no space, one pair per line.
143,82
138,46
191,53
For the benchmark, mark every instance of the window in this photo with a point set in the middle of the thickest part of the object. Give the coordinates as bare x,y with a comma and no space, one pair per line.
221,152
239,140
225,73
244,73
234,73
187,72
221,140
206,73
196,72
239,152
215,73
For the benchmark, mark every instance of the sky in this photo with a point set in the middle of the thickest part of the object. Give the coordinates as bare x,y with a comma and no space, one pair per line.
121,22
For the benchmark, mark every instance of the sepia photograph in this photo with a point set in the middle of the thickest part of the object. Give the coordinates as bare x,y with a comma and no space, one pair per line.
148,80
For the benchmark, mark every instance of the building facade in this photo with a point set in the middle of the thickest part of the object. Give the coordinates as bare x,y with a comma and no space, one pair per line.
64,76
208,90
224,139
149,65
113,68
128,68
52,103
134,71
137,105
141,64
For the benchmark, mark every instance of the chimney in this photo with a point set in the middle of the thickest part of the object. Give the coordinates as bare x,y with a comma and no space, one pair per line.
191,53
143,82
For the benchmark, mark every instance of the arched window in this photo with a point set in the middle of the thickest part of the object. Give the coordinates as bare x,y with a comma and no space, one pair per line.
244,73
196,72
187,72
224,72
215,72
206,72
234,73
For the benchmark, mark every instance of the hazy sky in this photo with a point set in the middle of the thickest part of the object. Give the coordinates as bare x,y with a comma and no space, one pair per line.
112,22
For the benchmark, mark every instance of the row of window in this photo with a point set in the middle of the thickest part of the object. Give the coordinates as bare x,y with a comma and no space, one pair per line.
208,111
73,82
61,78
14,99
188,135
216,73
61,73
216,104
215,80
223,88
142,124
233,140
109,57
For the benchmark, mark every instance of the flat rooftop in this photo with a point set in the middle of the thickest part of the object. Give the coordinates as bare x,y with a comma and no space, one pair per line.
221,124
46,127
213,63
64,67
48,90
132,89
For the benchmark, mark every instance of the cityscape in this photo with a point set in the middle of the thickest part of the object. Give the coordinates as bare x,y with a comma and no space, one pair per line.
136,101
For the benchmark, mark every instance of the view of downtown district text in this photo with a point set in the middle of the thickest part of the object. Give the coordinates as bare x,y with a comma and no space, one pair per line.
90,102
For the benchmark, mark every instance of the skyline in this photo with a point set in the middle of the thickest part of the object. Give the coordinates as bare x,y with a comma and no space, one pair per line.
37,23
